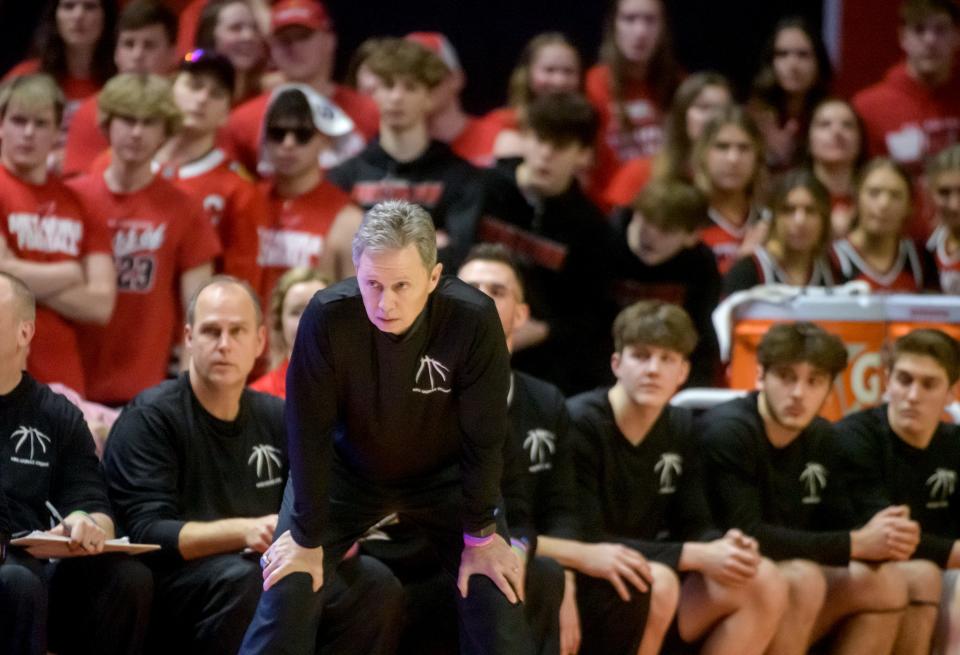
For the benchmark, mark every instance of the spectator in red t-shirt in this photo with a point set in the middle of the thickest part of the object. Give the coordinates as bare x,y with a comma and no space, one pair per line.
877,250
288,299
309,222
469,137
835,151
914,111
146,38
698,99
46,238
75,46
633,84
794,76
230,28
727,164
163,247
193,162
549,63
302,42
943,181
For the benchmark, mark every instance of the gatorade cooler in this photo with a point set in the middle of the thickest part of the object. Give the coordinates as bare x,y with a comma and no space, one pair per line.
865,323
906,313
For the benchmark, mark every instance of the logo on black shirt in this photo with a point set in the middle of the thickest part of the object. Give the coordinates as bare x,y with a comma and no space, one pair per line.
942,484
814,478
670,466
268,465
33,439
541,444
431,376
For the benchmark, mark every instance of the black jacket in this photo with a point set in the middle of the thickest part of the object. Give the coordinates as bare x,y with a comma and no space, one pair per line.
565,247
448,187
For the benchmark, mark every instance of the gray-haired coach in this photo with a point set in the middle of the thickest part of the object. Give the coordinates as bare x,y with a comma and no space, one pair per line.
395,404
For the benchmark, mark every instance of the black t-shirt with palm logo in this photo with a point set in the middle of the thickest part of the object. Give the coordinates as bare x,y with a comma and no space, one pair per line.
539,459
46,454
885,470
793,500
648,496
169,461
394,411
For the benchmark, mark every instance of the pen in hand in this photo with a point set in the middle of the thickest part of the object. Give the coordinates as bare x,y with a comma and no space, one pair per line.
55,513
68,532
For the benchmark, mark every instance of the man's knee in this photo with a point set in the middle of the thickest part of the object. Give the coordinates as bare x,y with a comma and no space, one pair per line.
132,583
599,598
879,588
240,583
545,582
806,585
21,589
770,588
485,590
23,606
489,622
664,594
924,581
608,623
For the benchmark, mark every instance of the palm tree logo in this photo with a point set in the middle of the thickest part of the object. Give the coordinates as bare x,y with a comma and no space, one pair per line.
266,458
541,444
33,436
435,373
669,466
814,476
942,484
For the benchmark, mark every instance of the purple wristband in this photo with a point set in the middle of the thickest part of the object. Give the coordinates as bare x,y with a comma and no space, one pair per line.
476,542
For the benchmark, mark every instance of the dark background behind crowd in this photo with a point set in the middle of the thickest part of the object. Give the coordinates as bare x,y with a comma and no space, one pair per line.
642,166
721,36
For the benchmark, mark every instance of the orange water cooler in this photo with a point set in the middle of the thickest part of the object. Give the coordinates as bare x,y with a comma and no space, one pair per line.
865,323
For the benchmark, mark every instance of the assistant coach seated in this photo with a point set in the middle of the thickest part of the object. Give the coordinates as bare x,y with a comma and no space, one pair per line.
198,465
47,458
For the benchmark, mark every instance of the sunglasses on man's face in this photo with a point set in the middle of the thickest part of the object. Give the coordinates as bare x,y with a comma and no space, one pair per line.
301,135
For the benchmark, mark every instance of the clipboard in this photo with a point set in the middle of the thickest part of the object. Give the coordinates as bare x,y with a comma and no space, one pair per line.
57,547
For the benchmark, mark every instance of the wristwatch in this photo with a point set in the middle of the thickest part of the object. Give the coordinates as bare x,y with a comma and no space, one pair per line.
483,532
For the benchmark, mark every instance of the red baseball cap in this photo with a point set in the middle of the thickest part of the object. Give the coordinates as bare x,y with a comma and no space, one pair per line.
305,13
438,44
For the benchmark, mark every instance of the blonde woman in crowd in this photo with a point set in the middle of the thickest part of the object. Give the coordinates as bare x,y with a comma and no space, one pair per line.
287,301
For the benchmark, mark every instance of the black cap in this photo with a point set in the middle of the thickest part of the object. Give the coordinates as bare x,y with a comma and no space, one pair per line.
210,63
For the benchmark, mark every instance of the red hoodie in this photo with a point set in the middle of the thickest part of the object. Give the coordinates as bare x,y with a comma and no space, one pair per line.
907,119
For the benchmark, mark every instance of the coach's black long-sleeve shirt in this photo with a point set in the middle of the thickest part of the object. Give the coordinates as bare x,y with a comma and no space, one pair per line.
884,470
169,461
391,409
791,499
46,454
647,496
